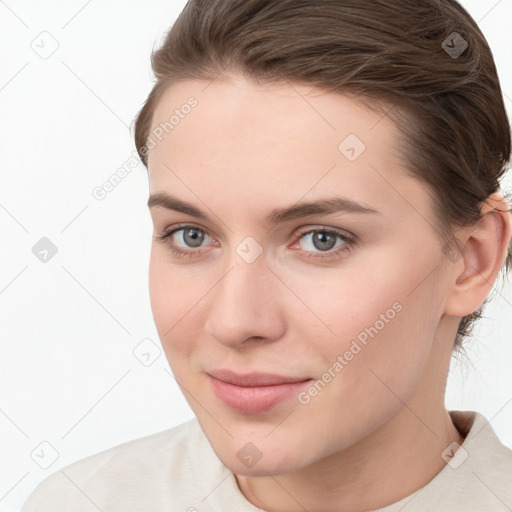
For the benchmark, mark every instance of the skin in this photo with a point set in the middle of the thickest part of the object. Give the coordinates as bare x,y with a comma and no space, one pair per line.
375,433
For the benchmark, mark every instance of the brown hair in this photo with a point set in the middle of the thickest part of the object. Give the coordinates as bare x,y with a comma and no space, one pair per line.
445,98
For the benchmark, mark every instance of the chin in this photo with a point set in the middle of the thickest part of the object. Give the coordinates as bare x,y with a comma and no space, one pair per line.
261,457
264,467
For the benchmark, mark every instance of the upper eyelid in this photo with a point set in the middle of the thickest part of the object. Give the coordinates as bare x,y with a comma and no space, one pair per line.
299,232
174,229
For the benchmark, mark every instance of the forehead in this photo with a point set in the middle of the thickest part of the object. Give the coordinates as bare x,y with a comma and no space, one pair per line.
246,117
272,141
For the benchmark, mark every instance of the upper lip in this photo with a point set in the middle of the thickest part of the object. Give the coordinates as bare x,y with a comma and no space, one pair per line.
254,378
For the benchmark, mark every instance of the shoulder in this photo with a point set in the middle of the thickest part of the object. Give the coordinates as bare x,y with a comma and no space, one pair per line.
482,473
157,469
476,477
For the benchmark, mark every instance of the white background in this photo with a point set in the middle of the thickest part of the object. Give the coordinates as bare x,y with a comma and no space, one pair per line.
69,326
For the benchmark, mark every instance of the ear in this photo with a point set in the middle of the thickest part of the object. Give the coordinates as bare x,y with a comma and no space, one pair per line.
483,249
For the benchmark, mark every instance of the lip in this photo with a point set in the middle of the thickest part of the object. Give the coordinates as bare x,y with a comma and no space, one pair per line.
255,392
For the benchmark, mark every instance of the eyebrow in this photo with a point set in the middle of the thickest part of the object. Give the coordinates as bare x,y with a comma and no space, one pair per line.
276,216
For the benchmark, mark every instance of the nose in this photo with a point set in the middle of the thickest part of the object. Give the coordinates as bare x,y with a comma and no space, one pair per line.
245,306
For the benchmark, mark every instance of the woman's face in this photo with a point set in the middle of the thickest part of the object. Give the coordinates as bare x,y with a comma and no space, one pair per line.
346,302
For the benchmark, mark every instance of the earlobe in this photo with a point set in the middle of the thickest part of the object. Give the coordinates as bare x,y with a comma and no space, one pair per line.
485,248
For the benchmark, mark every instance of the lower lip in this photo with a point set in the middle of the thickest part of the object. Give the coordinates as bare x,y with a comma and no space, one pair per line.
254,399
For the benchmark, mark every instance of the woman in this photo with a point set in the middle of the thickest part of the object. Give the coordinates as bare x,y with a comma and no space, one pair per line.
324,189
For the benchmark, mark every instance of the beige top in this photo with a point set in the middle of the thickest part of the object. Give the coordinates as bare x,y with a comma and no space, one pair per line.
177,470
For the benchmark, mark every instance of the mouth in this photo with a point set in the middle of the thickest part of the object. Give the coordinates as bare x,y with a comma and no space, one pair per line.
255,392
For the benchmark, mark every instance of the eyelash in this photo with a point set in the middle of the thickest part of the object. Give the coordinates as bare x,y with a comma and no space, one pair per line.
349,242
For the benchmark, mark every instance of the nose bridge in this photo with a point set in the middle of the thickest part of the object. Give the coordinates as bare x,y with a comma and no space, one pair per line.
243,303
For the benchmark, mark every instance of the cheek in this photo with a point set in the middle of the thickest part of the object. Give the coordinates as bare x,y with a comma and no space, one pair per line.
161,286
375,362
383,325
174,301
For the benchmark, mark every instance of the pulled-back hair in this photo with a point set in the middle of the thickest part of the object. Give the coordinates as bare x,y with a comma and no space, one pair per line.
408,57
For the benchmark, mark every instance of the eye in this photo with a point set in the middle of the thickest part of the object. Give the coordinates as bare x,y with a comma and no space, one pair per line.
184,240
324,242
188,240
